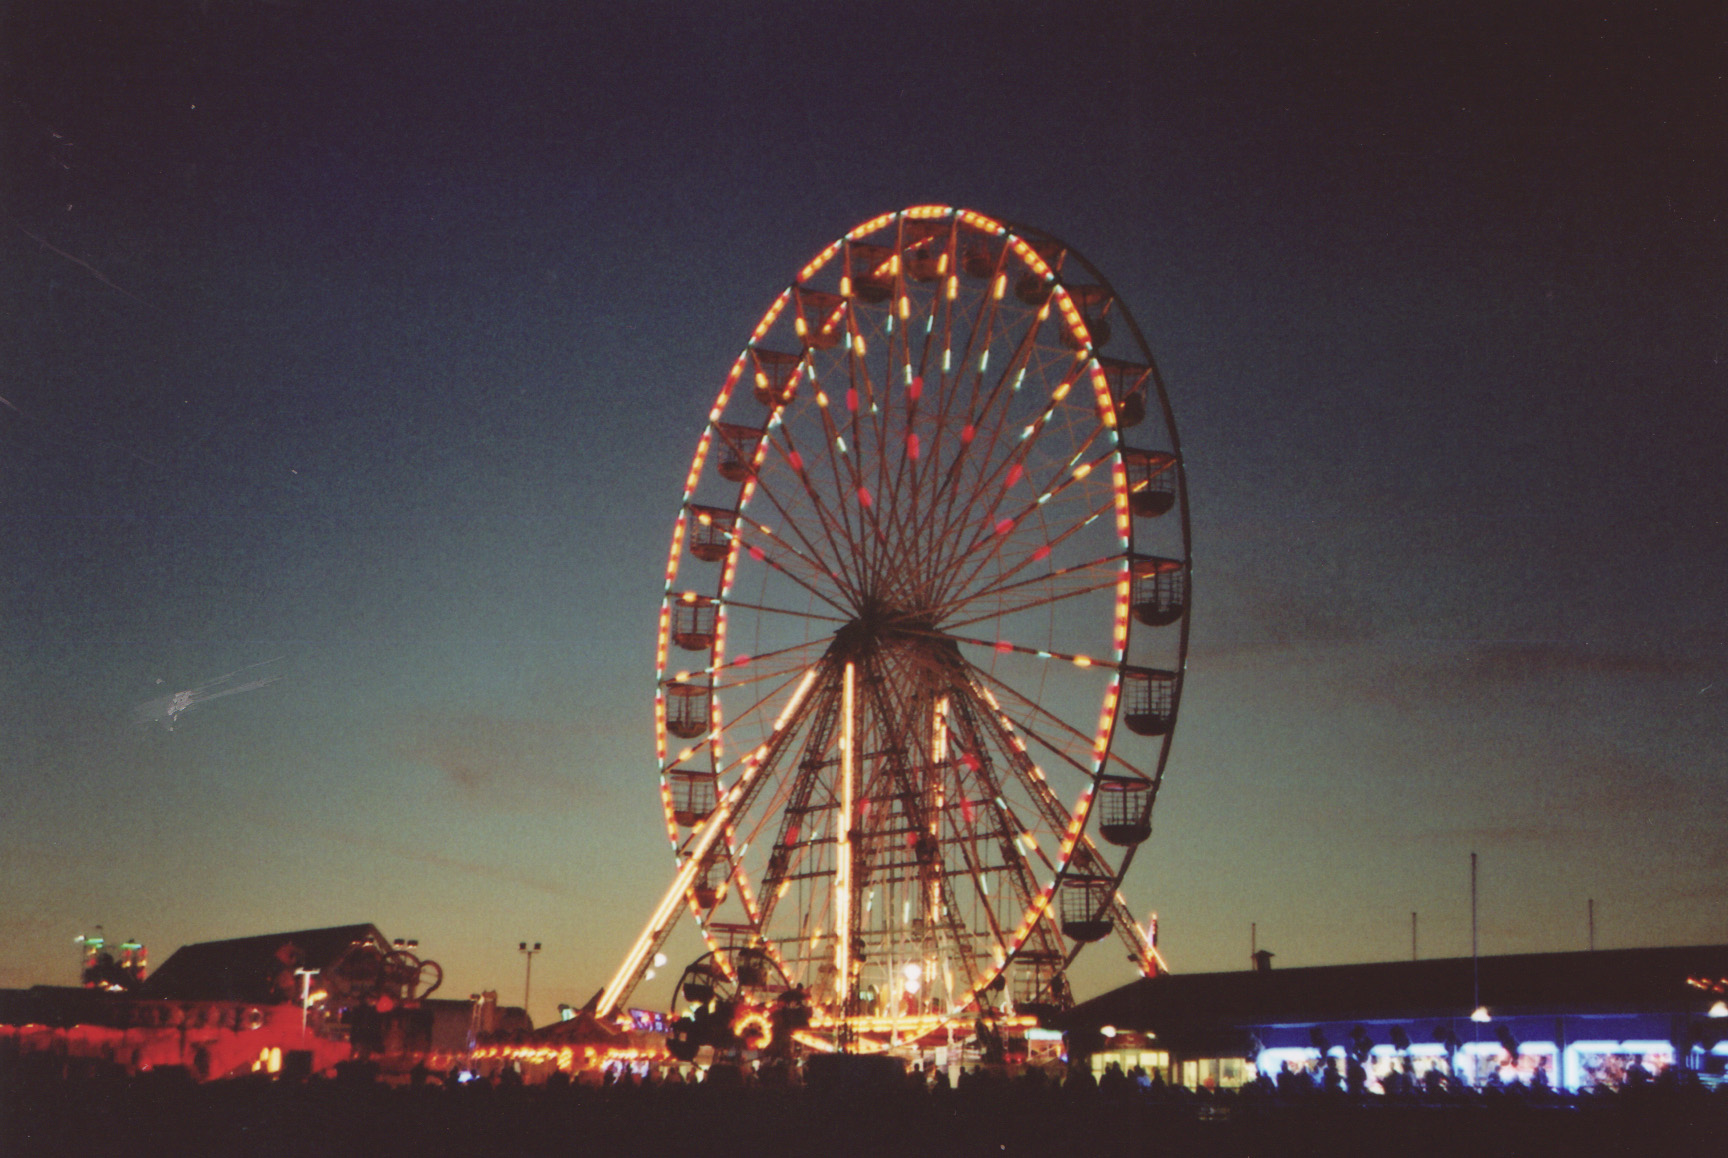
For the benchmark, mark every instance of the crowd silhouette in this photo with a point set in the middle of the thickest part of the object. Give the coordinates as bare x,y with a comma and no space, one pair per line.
833,1109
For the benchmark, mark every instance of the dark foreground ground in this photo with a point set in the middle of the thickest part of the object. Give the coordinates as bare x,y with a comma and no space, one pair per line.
166,1114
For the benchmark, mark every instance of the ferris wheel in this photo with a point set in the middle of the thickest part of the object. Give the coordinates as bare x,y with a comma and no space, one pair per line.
922,639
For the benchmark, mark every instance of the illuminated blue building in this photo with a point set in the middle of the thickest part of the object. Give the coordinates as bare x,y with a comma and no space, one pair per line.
1572,1021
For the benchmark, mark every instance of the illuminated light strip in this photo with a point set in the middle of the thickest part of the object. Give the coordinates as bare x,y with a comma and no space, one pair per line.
695,475
660,727
1034,260
1071,315
820,260
773,315
1003,645
1101,391
843,853
939,731
1124,600
871,226
662,914
926,212
1106,717
1151,961
666,805
979,221
661,647
1124,518
726,390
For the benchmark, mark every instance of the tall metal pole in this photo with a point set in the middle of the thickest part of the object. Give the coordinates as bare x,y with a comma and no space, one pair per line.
528,975
1592,918
306,976
1475,965
843,899
1412,936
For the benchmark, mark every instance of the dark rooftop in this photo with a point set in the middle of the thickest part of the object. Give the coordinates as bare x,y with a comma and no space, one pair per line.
1609,981
253,969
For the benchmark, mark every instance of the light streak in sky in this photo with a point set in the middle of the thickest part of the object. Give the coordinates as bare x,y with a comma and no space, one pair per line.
167,710
98,274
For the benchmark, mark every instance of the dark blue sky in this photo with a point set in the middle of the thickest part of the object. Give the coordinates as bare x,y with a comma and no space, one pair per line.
374,341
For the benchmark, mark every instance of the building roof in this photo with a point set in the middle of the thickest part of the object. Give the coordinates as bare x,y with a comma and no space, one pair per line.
1610,981
253,969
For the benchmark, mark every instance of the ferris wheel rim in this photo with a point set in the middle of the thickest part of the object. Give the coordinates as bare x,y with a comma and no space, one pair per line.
718,430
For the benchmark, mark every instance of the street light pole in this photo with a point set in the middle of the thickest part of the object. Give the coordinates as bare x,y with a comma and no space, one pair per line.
528,974
305,976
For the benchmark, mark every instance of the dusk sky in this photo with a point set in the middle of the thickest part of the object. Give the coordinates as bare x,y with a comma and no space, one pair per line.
362,349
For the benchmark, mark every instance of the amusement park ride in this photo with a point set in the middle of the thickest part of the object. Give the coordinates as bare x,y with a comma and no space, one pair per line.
921,646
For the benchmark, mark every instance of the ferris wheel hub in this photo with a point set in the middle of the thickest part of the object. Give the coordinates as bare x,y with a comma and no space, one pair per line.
878,626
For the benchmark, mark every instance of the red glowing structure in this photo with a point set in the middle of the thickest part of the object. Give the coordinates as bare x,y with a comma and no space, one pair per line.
309,999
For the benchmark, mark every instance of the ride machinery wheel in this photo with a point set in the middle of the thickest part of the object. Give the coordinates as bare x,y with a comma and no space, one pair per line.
923,634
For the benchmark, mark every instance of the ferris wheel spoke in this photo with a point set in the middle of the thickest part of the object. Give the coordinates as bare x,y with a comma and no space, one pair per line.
902,491
869,409
795,719
775,669
986,735
1006,589
1045,548
1035,719
990,419
1085,856
849,490
842,551
981,534
817,509
1029,598
1032,779
789,612
808,573
741,767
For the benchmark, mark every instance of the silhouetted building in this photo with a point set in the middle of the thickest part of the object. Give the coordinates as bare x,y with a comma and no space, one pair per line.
260,969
